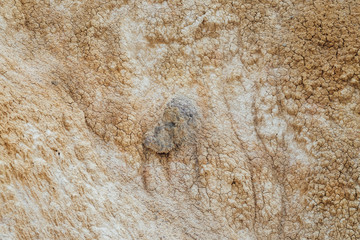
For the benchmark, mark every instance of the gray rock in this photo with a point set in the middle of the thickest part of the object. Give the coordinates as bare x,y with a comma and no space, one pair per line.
177,126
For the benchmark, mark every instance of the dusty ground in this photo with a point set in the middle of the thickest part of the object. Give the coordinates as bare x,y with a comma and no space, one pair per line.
179,119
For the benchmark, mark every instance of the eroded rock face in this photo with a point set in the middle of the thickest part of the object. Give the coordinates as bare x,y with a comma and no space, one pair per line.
179,119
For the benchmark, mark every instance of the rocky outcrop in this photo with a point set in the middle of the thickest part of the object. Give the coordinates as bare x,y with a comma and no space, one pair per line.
179,119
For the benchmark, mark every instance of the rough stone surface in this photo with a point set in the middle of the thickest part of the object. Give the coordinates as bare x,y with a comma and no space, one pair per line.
89,91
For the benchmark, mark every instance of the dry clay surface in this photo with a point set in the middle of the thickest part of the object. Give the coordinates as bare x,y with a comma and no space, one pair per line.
179,119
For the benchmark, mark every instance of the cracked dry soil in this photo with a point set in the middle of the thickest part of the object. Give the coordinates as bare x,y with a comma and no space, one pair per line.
95,142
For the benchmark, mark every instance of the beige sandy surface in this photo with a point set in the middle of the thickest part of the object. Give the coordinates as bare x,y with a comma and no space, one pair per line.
179,119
